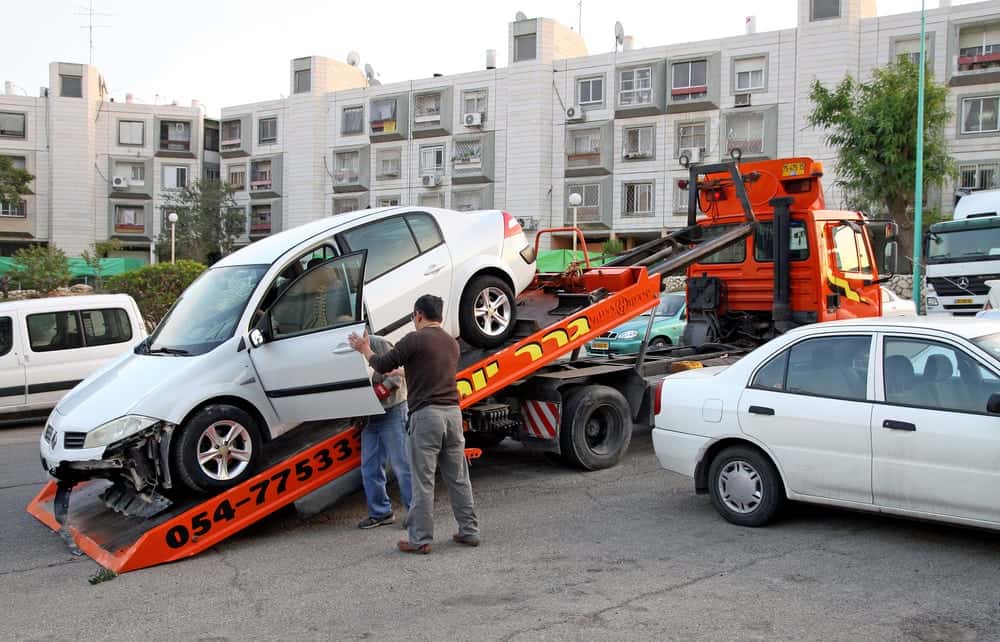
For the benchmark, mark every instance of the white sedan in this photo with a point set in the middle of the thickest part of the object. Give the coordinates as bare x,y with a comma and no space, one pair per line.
899,416
895,306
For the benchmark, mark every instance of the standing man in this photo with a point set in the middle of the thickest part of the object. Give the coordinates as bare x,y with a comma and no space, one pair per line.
429,357
383,438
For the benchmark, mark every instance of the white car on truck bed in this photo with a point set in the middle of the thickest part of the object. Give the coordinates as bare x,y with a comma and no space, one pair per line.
257,345
897,416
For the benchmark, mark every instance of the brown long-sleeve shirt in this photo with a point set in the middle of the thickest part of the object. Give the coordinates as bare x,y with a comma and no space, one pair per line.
430,360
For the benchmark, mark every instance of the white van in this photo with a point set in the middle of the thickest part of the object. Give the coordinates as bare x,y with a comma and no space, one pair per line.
48,346
978,204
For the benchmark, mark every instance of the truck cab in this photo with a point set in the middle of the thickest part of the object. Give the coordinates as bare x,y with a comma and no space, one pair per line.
962,255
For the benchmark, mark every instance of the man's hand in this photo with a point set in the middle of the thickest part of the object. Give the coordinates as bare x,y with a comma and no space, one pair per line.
361,343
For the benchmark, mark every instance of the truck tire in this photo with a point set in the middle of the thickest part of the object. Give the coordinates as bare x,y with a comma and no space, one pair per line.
745,486
493,300
228,432
596,427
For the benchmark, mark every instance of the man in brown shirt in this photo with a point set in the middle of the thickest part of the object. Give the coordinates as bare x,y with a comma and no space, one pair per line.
429,357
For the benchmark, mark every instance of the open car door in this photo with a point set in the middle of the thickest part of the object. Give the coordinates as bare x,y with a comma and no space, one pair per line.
302,357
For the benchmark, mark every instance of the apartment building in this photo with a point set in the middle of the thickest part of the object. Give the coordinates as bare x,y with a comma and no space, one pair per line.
523,136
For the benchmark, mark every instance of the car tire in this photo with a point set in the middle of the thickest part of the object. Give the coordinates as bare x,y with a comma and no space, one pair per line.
494,299
659,343
234,430
596,427
745,486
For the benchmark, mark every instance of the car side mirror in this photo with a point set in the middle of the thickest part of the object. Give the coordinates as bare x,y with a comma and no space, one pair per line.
891,259
684,315
256,338
993,405
261,333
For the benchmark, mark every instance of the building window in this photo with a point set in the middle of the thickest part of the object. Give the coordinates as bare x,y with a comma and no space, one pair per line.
388,163
237,177
346,166
175,136
341,205
211,139
690,80
302,81
352,120
134,172
524,47
175,177
584,148
635,86
430,199
590,91
976,176
467,200
691,135
749,74
232,134
260,219
388,201
468,154
909,49
131,132
71,86
823,9
979,115
11,125
979,47
383,118
267,130
745,132
680,199
475,101
432,160
212,172
129,219
637,199
589,211
260,176
12,209
427,108
18,162
638,143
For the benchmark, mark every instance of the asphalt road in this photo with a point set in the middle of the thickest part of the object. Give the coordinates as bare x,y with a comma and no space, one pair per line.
628,553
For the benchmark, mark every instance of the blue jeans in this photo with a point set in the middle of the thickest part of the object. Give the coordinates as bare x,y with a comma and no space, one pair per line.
384,438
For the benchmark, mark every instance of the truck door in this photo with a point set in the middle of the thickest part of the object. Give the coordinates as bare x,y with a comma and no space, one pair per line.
851,271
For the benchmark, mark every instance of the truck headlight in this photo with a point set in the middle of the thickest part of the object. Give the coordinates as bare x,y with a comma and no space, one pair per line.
932,301
117,429
629,334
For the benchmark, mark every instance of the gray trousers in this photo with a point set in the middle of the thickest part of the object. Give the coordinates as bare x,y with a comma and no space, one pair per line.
436,441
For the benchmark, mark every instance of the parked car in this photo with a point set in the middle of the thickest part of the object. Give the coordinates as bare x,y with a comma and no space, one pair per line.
897,416
992,308
668,327
895,306
257,345
47,346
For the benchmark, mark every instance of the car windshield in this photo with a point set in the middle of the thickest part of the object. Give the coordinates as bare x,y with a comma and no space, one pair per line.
207,312
669,306
990,343
964,245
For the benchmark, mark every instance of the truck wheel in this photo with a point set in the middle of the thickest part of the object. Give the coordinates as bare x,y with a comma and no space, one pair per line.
487,312
219,447
745,486
596,427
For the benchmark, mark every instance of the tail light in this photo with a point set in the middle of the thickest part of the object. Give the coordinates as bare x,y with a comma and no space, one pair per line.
511,226
657,396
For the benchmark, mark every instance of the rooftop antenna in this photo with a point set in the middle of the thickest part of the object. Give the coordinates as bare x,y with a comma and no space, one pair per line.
370,75
89,12
353,58
579,18
619,34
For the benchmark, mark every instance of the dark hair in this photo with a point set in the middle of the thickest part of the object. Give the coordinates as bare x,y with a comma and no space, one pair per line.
432,307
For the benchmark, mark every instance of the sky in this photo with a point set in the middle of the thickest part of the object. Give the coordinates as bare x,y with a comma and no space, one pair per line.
228,52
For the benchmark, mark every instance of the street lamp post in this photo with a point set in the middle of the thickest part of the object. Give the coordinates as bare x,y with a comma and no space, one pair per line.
575,199
172,218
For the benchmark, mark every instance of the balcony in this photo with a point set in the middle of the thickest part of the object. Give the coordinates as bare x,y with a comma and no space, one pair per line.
467,200
977,59
640,89
265,177
388,118
432,113
754,133
472,159
260,220
234,137
130,221
351,169
589,149
130,178
175,138
694,84
351,203
595,212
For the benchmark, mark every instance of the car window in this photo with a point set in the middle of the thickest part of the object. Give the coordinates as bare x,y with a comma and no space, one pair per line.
325,297
107,326
6,335
52,331
929,374
735,253
990,343
295,269
763,242
389,244
772,375
425,230
670,305
829,367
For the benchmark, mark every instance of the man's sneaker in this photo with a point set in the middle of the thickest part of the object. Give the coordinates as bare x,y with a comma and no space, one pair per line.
375,522
466,540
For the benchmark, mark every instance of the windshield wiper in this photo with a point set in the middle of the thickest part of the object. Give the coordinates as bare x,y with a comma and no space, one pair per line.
166,350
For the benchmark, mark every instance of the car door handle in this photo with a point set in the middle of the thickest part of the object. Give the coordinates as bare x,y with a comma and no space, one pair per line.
761,410
343,349
892,424
434,269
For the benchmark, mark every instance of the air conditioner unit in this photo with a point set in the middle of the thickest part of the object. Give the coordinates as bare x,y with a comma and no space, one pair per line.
742,100
119,182
527,223
692,154
574,113
438,180
432,181
473,119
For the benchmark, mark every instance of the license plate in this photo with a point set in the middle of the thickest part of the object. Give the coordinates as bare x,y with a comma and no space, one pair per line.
793,169
601,345
963,301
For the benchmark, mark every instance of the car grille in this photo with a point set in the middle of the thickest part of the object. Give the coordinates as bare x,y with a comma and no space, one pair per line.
947,286
74,440
49,436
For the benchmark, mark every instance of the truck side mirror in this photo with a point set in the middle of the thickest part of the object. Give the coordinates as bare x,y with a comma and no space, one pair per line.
993,405
891,259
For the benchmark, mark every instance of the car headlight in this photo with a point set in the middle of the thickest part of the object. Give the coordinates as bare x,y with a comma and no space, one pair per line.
932,301
117,429
629,334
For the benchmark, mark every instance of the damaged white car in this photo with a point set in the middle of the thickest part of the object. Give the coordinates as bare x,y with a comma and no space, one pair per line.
258,345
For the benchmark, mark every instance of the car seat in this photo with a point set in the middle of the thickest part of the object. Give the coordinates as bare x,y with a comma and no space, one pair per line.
899,380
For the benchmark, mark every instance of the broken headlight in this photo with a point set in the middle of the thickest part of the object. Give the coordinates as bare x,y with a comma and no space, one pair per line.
118,429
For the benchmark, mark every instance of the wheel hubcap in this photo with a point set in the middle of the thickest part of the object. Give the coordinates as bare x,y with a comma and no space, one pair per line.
740,487
602,430
224,450
492,311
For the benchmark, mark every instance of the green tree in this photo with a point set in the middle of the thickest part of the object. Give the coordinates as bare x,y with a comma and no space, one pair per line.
612,247
208,221
42,268
13,181
873,126
102,250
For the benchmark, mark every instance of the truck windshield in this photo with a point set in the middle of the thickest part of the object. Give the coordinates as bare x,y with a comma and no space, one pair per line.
850,249
207,312
980,244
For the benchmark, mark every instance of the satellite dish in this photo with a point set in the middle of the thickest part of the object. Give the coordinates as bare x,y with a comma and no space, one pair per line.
519,16
353,59
370,75
619,32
